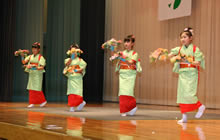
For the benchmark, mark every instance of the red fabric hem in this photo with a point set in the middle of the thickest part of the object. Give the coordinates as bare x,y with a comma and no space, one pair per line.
36,97
74,100
189,107
127,103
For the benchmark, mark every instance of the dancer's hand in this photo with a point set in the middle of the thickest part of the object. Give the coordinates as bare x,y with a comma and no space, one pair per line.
29,66
40,68
22,54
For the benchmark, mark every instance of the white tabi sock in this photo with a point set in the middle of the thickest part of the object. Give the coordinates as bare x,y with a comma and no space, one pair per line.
80,107
123,114
31,105
132,112
43,104
184,118
72,109
200,111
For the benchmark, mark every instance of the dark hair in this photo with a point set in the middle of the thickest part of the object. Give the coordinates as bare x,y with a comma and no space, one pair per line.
74,45
36,45
129,38
188,31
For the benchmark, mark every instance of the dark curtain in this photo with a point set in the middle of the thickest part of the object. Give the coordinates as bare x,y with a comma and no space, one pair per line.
92,26
63,29
29,29
7,39
79,21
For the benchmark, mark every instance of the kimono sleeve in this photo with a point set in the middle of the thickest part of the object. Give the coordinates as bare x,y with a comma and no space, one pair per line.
175,51
82,64
27,58
200,57
134,57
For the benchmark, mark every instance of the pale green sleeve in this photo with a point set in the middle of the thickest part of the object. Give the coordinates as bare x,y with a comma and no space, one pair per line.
135,57
138,66
175,51
42,61
117,68
65,68
82,64
66,60
138,63
200,57
27,58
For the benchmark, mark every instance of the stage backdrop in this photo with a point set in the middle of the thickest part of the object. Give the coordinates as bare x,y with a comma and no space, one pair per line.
63,29
7,41
158,84
29,29
74,21
56,24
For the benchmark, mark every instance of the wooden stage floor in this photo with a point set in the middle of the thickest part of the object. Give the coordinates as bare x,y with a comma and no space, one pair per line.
103,121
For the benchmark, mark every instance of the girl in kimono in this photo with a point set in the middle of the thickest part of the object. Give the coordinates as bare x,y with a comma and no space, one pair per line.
188,75
34,65
75,70
128,66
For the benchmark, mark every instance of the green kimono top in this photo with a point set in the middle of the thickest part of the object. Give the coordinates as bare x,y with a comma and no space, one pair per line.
127,77
75,81
131,55
35,76
198,55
